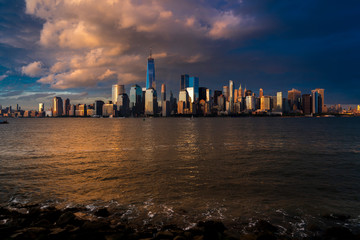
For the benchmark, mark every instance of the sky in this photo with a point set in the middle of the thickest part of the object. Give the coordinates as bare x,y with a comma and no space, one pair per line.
77,49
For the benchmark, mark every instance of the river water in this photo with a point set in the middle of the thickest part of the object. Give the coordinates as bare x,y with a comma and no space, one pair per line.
289,171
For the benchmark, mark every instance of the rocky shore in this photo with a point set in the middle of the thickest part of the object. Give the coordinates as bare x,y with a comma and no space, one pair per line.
35,222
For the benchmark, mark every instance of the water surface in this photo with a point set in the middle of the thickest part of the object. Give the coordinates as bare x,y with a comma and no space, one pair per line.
290,171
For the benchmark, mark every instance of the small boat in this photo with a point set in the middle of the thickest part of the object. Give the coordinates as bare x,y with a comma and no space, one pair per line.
4,122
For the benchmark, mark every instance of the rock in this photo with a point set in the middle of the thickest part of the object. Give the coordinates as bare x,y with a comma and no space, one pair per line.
266,236
164,235
179,238
51,214
338,233
337,217
66,218
34,212
115,236
95,225
43,223
102,212
199,237
212,230
213,226
263,226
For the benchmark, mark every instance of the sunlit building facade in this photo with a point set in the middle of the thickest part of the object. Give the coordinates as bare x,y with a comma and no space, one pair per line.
57,107
150,102
250,103
265,103
279,102
41,107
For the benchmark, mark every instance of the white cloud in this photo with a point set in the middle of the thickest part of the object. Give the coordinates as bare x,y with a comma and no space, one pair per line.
34,69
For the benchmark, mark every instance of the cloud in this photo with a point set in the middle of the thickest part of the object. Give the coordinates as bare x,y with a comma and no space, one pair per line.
91,41
2,77
34,69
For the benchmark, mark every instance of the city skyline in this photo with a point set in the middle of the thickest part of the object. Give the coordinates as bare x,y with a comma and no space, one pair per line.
53,49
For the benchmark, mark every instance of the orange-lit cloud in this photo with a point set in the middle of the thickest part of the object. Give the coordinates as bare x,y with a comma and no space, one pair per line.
94,41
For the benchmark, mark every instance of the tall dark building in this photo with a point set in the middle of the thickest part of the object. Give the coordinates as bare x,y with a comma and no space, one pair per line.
307,103
217,93
67,107
184,82
98,107
202,93
150,73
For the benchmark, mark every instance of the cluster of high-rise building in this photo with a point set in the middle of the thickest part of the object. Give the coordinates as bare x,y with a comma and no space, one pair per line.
192,100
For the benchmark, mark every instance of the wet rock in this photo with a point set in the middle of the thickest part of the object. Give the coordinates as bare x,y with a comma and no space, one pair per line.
102,212
199,237
179,238
43,223
31,233
337,217
164,235
51,214
266,236
338,233
95,225
34,212
263,226
66,218
115,236
212,230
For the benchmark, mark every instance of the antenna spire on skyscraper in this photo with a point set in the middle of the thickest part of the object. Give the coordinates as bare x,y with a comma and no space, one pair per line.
150,53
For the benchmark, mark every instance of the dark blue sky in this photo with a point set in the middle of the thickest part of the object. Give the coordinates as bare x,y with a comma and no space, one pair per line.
78,49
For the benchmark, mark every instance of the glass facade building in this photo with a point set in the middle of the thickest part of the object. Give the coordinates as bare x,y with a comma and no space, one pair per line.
194,83
150,73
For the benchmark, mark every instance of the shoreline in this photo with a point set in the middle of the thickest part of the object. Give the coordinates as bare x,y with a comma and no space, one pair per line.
36,222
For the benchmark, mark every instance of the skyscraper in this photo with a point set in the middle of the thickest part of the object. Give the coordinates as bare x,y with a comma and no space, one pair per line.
41,107
294,97
123,104
279,102
231,96
135,99
315,102
226,92
265,103
67,107
184,82
208,95
150,102
150,73
261,93
321,92
306,103
191,92
241,94
250,103
57,106
202,93
163,93
98,107
115,93
194,82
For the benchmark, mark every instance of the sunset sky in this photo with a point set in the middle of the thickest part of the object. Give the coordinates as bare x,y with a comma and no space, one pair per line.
79,48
